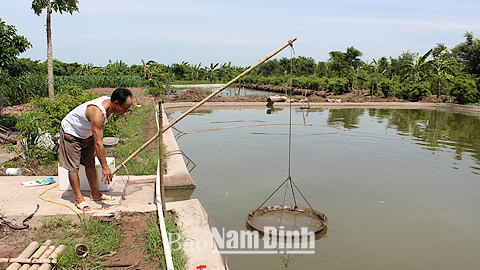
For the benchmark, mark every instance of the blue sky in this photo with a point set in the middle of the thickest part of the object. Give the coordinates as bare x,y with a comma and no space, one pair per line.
242,32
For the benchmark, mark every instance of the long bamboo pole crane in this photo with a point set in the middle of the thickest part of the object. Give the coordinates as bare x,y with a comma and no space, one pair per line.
289,43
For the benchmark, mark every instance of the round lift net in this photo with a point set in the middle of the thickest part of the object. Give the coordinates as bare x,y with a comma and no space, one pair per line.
289,218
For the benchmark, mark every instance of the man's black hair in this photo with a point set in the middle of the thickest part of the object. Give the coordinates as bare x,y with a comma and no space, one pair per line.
121,95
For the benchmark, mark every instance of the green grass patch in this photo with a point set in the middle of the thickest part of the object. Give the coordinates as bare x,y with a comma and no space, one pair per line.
102,238
154,245
145,162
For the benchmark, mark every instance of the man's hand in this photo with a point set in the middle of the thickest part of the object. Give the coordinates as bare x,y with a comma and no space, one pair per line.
106,175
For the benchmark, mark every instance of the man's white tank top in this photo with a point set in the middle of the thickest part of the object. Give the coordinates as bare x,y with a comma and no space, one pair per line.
77,124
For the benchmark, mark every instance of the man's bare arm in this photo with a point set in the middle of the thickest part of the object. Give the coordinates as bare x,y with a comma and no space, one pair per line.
96,117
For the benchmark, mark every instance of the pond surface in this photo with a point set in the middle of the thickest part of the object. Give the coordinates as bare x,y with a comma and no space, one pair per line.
400,187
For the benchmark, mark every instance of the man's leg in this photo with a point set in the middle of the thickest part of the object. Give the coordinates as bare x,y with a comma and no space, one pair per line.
75,183
93,182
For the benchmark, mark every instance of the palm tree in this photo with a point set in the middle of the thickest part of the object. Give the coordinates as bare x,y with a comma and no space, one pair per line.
416,68
59,6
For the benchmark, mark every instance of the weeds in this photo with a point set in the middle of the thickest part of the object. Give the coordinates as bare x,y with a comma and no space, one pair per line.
102,238
154,244
146,162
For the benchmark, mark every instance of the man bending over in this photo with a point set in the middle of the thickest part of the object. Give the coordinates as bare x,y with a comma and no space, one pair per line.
81,136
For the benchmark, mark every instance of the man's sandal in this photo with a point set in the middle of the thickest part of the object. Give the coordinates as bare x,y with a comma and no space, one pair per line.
83,206
105,198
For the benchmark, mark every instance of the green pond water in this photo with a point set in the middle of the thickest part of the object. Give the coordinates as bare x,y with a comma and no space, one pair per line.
400,187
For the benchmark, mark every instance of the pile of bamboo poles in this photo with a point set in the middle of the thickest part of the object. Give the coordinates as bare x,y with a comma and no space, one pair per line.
35,257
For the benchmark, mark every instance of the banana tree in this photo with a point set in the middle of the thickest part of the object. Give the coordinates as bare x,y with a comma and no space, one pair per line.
211,71
353,77
417,68
442,68
61,6
376,69
86,69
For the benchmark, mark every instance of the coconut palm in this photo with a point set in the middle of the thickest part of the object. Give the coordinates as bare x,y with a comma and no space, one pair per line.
59,6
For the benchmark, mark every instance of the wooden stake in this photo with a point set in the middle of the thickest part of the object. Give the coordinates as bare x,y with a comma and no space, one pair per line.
289,43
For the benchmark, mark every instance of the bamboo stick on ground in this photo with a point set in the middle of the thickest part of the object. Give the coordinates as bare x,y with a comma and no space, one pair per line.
58,250
37,254
200,103
26,253
26,262
45,255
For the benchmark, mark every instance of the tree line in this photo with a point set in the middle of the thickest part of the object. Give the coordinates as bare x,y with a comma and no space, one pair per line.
411,76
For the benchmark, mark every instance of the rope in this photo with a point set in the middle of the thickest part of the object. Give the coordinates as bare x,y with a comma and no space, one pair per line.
289,178
264,133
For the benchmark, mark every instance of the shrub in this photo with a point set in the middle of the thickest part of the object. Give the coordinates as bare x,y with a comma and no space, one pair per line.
413,92
337,85
464,91
387,88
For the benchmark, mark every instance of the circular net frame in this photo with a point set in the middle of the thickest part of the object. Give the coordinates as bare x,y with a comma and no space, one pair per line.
288,218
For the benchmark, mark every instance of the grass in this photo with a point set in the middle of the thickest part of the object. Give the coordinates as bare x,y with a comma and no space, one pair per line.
102,238
154,244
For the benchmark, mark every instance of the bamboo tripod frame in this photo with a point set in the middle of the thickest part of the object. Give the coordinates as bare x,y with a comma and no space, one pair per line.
289,43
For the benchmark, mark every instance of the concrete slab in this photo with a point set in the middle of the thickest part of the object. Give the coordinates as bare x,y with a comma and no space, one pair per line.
17,201
177,175
193,220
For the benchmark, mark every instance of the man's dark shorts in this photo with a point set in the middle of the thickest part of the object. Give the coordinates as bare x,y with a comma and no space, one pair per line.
74,151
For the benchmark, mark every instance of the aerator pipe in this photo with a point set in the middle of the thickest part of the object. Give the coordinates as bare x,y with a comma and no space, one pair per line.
289,43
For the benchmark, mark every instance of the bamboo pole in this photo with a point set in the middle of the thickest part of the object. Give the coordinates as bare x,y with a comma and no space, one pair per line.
37,254
27,261
58,250
27,252
200,103
45,255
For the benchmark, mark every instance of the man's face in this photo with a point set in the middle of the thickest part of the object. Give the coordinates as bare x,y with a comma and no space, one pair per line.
121,109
